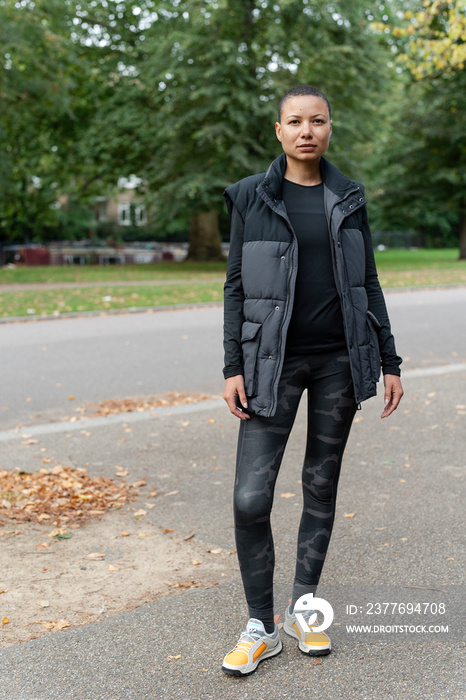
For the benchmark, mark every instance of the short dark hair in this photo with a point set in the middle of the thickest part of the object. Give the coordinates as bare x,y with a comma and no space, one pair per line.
298,91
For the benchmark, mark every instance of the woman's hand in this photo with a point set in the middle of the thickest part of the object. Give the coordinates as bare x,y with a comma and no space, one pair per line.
393,393
234,387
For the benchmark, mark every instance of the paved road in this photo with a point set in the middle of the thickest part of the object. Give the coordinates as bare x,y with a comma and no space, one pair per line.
403,479
95,358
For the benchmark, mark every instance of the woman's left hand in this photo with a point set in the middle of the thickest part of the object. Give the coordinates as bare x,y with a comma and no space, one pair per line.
393,393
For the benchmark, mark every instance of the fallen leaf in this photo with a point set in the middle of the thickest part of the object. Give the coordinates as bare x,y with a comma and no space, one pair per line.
189,537
316,662
183,584
70,398
402,481
381,528
211,420
61,495
287,495
149,505
118,406
57,531
139,513
43,544
214,551
61,624
44,603
171,493
5,621
95,556
113,568
2,591
349,515
196,562
137,484
168,529
178,656
404,539
143,534
125,534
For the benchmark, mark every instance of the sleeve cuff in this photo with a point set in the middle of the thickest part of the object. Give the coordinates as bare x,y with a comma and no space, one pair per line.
232,371
391,369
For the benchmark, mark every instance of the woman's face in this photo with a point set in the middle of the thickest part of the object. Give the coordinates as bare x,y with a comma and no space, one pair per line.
305,128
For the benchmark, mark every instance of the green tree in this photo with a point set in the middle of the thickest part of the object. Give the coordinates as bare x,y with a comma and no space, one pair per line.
421,159
204,87
182,94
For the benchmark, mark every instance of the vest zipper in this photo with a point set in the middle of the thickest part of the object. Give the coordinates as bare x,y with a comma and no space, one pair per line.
340,294
287,303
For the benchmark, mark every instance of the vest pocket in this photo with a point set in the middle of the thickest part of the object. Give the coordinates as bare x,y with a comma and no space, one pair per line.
373,341
250,338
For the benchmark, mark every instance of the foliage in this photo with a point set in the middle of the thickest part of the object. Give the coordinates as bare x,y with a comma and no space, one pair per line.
184,95
436,36
419,162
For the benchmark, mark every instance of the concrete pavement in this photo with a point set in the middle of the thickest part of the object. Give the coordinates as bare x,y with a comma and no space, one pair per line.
403,479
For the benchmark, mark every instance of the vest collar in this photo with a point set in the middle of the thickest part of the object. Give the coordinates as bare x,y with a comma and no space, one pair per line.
333,178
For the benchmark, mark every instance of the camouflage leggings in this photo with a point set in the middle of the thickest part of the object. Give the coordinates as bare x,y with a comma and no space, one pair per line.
261,444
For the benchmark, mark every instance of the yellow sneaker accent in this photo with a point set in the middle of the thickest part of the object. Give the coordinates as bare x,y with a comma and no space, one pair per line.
253,646
314,643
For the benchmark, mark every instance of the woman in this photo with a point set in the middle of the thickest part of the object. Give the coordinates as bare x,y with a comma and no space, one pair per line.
303,310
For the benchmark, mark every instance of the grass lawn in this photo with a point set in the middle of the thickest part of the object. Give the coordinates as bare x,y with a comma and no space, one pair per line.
397,269
420,268
55,302
110,273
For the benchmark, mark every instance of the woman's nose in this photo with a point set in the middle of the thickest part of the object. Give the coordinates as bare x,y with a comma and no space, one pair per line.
306,129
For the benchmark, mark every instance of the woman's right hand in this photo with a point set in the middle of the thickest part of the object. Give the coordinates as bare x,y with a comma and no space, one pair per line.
234,387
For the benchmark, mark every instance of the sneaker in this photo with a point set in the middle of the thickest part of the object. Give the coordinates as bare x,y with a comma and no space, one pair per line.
312,643
253,646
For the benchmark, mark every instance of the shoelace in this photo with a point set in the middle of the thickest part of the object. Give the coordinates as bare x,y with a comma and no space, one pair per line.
247,639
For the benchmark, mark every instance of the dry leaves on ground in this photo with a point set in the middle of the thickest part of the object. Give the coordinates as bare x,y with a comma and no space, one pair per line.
171,398
59,495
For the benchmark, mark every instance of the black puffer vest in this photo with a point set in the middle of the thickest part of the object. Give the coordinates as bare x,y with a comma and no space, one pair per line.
261,276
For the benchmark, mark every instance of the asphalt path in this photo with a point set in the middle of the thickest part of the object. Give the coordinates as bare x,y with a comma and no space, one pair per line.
399,528
43,363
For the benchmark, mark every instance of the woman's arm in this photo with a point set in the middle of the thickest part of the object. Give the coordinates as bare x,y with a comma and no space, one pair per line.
233,317
393,391
390,360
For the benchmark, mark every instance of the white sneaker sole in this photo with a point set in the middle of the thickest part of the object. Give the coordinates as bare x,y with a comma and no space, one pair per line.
250,668
305,648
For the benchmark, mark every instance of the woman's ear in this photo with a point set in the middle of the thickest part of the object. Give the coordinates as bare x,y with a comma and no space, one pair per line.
278,131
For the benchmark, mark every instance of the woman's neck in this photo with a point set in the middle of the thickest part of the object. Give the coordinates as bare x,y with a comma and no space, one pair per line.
303,173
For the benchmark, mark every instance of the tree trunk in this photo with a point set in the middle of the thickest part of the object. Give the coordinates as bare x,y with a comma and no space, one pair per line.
204,237
462,232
